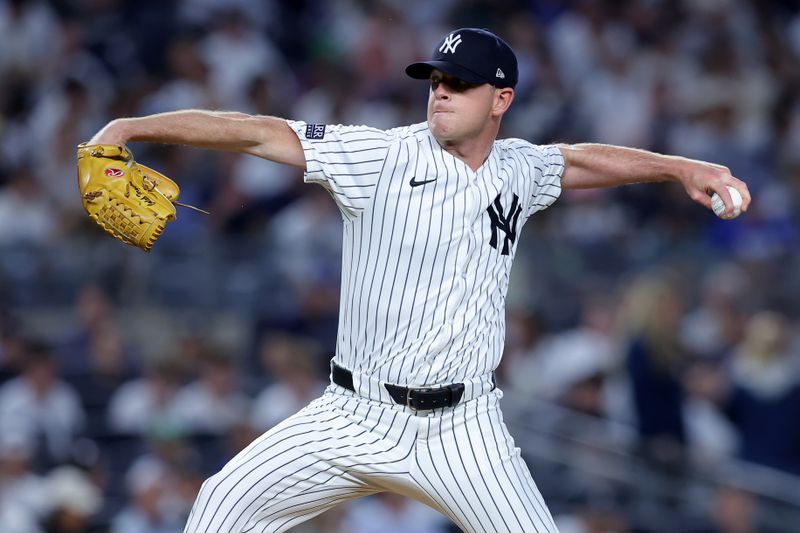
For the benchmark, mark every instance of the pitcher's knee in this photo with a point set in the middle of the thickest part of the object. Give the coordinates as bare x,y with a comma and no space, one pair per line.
219,505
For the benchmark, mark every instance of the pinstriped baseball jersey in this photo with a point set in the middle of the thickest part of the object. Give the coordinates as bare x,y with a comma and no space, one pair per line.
428,246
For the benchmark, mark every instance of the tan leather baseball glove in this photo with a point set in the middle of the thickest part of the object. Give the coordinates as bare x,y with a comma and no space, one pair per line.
130,201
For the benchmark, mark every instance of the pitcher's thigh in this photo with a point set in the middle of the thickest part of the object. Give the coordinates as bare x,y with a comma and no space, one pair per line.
476,474
285,477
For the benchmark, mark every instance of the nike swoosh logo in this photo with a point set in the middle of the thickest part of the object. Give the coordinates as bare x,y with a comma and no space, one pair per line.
415,183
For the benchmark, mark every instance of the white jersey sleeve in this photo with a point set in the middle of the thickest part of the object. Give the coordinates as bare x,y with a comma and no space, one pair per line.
347,160
540,169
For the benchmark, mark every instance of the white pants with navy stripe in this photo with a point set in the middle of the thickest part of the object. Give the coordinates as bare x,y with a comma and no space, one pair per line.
461,461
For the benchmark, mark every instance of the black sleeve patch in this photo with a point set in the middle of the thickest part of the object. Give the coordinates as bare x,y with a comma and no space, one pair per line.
315,131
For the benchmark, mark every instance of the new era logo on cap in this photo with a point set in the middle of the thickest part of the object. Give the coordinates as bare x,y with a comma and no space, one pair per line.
473,55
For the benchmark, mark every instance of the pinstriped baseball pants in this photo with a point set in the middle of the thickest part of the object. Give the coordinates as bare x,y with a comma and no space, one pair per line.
460,461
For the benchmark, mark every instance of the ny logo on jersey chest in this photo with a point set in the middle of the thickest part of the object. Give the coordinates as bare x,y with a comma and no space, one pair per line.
507,223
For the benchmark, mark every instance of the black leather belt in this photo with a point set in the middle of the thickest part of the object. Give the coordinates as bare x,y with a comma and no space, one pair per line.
420,399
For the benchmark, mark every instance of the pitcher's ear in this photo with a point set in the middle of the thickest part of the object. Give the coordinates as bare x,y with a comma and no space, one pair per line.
503,96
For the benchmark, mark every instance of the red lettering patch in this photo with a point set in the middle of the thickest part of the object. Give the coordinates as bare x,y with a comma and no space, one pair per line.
114,172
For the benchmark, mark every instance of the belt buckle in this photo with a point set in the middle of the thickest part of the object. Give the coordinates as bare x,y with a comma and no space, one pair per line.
420,389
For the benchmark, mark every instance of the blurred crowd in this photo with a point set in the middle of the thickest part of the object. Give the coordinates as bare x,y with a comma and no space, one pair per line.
126,379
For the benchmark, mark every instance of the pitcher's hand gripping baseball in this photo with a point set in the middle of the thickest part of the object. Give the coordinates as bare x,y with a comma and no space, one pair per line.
130,201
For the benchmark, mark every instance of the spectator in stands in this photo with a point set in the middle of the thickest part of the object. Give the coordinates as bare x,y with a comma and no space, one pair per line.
213,403
23,498
563,359
712,328
178,461
62,119
111,366
236,52
294,365
523,334
29,29
26,214
655,362
39,405
93,312
307,240
143,405
255,189
74,500
307,234
763,399
188,85
149,489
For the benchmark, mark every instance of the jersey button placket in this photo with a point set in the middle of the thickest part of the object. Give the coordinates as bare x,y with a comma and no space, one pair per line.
472,217
462,266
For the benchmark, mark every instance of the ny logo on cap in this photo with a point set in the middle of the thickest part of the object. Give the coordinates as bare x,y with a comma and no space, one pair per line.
450,44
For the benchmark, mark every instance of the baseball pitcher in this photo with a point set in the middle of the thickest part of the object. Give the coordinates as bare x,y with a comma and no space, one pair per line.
432,214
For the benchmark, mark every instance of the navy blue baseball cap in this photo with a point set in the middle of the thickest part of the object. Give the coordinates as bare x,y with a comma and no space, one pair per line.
473,55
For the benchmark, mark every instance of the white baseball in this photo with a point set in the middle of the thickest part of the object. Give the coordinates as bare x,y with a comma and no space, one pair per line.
718,206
